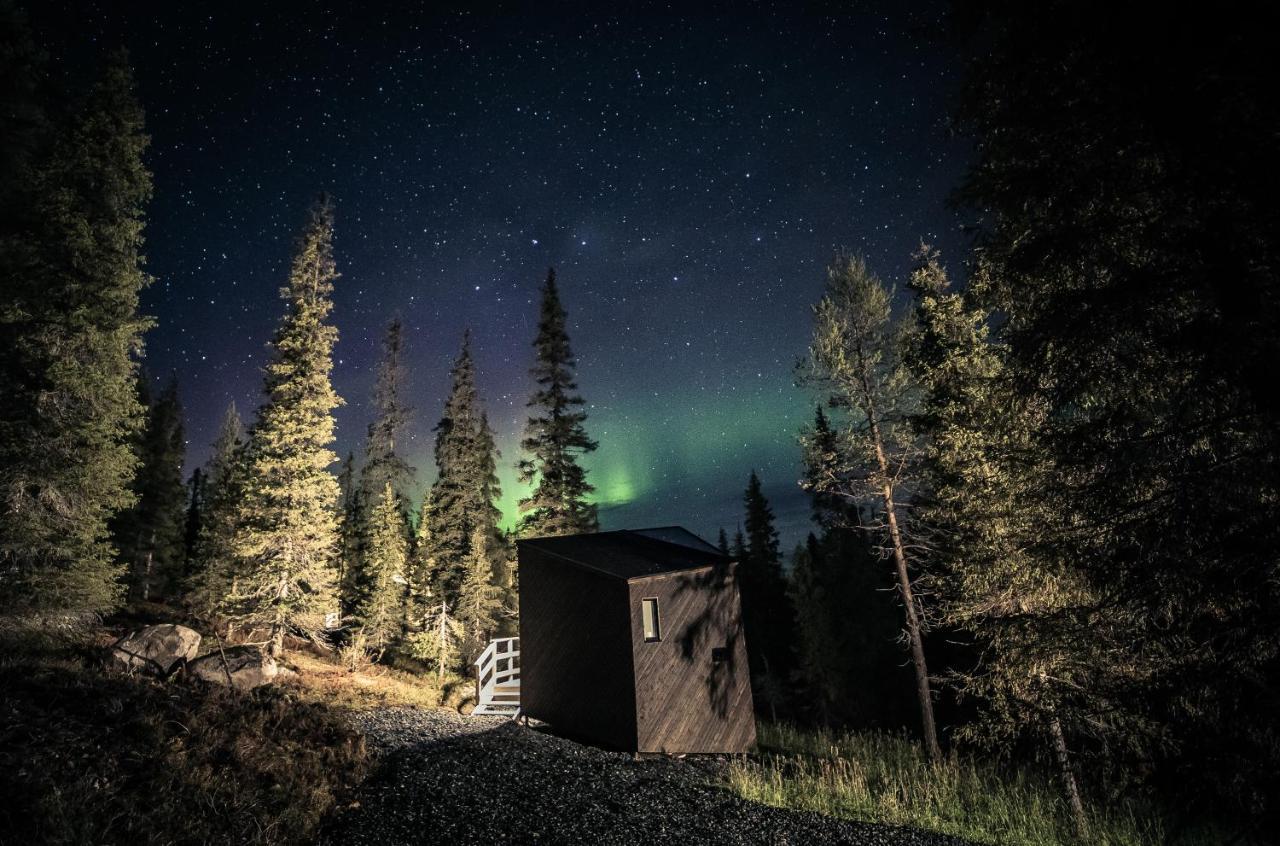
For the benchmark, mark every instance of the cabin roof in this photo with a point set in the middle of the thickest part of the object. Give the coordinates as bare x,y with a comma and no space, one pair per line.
632,554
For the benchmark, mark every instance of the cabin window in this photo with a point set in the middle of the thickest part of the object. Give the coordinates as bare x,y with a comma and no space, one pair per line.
649,616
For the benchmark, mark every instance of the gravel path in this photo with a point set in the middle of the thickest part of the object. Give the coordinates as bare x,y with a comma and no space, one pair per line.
445,778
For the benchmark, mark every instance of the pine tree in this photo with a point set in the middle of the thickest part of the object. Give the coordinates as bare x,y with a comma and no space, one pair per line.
74,188
150,534
767,615
379,609
722,543
213,567
856,355
479,599
287,532
555,437
462,498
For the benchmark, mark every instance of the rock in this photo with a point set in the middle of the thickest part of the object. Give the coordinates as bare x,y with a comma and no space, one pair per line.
249,667
156,649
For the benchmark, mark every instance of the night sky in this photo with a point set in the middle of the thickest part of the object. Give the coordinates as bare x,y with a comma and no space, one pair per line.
688,173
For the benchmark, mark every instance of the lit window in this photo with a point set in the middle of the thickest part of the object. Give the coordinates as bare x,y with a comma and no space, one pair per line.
649,615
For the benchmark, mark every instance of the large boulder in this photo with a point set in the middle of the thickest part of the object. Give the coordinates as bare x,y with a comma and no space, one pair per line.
247,666
156,649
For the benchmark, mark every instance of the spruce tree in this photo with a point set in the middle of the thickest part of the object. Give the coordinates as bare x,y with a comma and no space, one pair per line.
479,599
462,498
191,523
213,566
555,437
767,615
1131,255
722,542
150,534
1040,675
350,510
440,638
74,188
379,608
287,532
383,467
857,356
383,464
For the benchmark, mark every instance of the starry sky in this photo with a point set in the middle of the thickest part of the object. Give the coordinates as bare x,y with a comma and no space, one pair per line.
688,171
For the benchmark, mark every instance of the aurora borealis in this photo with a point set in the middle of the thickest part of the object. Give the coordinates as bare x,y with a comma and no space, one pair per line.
687,171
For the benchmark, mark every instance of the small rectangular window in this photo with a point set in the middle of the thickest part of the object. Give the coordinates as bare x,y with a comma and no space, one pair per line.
649,616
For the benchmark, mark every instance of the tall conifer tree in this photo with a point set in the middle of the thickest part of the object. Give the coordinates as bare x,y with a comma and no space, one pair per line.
462,498
479,599
150,534
857,355
767,615
213,567
287,533
379,607
555,437
74,188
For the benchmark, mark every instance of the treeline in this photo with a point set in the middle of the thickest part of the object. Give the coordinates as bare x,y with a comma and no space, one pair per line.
271,541
1070,465
265,540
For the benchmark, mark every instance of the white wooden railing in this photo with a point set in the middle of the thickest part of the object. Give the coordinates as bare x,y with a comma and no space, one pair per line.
498,678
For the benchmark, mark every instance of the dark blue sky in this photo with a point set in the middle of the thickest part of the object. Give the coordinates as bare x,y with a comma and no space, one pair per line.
689,172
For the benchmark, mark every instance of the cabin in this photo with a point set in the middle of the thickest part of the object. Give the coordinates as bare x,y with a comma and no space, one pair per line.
630,640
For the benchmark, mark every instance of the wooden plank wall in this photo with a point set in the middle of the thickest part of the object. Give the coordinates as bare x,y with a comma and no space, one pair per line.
575,651
684,701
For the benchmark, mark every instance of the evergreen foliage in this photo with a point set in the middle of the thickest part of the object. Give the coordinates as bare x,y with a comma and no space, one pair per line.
479,599
384,469
379,607
191,522
462,499
213,566
351,540
555,437
150,534
767,615
383,465
1127,179
440,639
72,196
857,357
287,527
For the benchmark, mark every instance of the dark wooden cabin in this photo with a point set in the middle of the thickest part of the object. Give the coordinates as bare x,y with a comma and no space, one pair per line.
633,640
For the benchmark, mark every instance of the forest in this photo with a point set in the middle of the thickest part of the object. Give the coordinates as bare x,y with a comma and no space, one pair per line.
1043,475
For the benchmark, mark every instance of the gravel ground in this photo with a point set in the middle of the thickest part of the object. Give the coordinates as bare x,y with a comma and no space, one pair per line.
445,778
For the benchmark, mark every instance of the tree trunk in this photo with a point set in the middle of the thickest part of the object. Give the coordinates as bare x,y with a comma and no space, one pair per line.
923,693
1068,777
904,576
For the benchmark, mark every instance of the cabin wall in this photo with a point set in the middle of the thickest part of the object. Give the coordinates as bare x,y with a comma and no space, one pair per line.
575,651
685,700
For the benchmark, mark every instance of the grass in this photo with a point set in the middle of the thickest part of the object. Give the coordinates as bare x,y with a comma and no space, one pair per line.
321,680
884,778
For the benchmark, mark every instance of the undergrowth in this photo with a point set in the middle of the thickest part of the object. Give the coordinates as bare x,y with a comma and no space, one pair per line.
885,778
92,756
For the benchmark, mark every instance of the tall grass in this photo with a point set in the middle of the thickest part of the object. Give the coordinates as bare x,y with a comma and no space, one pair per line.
885,778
